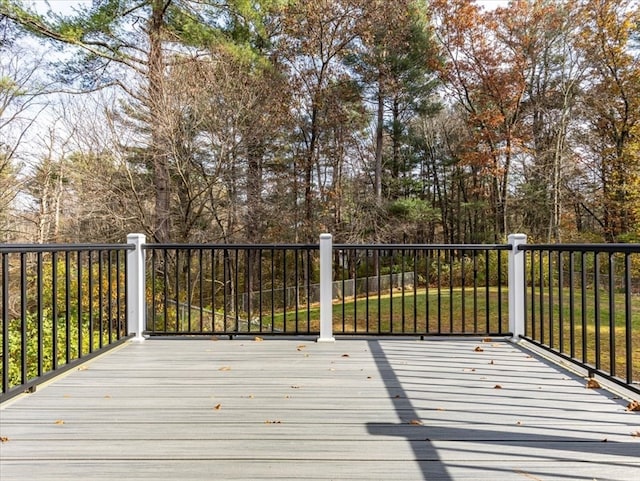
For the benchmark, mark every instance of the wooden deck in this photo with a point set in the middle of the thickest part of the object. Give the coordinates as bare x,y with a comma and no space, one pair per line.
361,409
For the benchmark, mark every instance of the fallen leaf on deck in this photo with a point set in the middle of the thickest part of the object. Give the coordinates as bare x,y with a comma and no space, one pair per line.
368,377
218,407
530,476
225,368
636,434
345,355
4,439
440,409
59,421
519,423
633,406
268,421
487,339
478,349
491,362
106,396
592,384
415,422
83,368
258,339
301,347
497,386
605,440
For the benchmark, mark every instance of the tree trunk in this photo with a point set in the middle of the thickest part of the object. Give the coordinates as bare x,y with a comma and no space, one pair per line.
308,174
379,145
159,150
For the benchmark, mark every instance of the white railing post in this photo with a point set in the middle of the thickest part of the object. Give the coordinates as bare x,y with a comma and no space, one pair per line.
326,287
136,303
516,286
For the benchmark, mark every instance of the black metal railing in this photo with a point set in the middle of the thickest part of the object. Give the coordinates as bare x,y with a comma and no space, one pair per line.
231,289
582,303
422,289
377,289
60,304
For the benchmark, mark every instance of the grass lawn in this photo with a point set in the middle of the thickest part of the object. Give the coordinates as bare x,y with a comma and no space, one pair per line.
446,312
594,329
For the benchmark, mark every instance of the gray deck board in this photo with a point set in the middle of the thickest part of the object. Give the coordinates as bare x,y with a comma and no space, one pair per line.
293,409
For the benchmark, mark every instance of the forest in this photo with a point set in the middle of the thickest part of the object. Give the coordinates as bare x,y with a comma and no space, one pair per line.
272,121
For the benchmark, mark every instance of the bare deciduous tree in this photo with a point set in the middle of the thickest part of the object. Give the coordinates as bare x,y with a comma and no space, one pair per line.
22,100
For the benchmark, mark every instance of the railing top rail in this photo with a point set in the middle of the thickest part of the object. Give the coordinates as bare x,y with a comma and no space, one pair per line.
16,248
468,247
232,246
630,248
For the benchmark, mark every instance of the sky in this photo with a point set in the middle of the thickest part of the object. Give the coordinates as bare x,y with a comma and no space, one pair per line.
57,6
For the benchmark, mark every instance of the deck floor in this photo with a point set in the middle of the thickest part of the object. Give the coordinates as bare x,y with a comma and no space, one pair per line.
357,409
